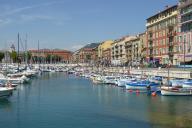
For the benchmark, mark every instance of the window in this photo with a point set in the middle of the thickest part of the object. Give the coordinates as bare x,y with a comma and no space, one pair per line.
163,50
181,48
160,51
163,32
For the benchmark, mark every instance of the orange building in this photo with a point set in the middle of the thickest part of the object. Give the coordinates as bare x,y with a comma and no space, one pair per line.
65,56
87,54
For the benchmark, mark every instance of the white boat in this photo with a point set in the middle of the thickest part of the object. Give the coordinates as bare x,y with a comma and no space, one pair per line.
6,91
17,80
175,91
97,79
111,80
187,84
122,82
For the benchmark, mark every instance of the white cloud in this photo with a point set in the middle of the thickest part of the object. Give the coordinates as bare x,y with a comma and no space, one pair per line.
15,15
21,9
5,21
35,17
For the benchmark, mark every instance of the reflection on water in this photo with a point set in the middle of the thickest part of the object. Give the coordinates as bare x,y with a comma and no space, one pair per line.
159,112
171,112
58,100
5,104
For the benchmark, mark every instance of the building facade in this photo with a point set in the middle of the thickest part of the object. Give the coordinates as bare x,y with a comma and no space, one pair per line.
185,23
75,57
104,52
136,51
65,56
118,51
143,47
162,37
88,54
132,50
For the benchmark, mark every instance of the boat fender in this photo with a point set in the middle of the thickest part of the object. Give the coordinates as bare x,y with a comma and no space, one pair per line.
137,91
154,94
130,90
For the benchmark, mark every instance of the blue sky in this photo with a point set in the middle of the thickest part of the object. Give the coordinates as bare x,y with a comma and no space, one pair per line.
70,24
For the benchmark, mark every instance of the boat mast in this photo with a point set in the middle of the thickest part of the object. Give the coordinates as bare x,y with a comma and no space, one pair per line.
6,58
26,55
18,52
38,56
184,51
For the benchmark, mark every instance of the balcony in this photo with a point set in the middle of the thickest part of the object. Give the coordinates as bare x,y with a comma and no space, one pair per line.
150,45
186,22
171,53
184,4
170,26
151,55
171,34
170,44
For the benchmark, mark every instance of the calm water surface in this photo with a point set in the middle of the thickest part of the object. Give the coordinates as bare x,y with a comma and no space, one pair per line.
61,101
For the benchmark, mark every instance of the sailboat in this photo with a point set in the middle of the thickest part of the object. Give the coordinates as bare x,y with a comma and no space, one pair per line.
6,88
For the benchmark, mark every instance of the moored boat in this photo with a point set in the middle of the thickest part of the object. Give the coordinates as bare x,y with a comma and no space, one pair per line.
6,91
112,80
175,91
143,86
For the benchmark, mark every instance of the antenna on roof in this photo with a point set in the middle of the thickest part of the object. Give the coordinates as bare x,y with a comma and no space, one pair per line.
167,6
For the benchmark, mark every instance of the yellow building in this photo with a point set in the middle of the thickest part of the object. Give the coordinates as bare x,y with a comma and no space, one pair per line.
103,47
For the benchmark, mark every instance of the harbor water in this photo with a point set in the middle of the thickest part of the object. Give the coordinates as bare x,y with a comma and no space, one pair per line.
59,100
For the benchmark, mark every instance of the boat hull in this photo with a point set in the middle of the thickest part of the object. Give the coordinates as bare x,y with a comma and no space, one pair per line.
5,92
170,91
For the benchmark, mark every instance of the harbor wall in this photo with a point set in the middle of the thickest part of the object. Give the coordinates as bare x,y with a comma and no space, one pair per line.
173,72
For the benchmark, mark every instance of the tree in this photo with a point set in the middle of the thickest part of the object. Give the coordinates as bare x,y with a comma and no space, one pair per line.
1,56
48,58
29,55
14,56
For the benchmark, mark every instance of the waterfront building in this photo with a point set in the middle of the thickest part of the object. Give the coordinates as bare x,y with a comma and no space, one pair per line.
185,23
131,50
87,54
95,57
118,52
162,37
64,55
143,47
75,57
104,52
107,57
136,51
